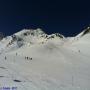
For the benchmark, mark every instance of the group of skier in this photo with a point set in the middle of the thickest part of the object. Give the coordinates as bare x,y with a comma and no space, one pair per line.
26,57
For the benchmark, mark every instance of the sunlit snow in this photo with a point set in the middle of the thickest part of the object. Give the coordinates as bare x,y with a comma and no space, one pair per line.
33,60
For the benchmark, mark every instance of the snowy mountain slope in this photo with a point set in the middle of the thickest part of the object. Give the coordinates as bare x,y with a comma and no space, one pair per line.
34,60
26,37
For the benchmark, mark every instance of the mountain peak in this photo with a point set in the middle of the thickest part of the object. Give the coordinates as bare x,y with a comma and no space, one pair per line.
26,32
40,31
55,35
37,33
84,32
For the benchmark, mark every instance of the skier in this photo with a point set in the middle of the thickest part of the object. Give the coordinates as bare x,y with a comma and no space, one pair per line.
5,57
79,51
27,58
30,58
16,54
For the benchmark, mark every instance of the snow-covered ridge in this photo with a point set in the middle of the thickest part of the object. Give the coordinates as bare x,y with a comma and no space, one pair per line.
28,37
84,32
38,32
33,32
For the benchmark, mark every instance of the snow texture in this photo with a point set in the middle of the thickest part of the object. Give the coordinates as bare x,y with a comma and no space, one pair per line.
33,60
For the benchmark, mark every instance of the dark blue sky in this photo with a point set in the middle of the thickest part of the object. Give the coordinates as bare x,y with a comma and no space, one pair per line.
67,17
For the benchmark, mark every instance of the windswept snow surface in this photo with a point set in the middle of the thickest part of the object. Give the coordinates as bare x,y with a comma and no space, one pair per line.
54,62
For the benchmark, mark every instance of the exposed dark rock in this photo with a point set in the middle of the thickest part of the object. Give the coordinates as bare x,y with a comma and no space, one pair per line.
16,80
1,76
2,67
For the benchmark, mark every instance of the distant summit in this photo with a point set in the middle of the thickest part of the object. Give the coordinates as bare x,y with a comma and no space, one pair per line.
37,33
34,32
28,37
86,31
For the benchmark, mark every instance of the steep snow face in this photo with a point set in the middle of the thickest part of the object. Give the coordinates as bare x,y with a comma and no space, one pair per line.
33,60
